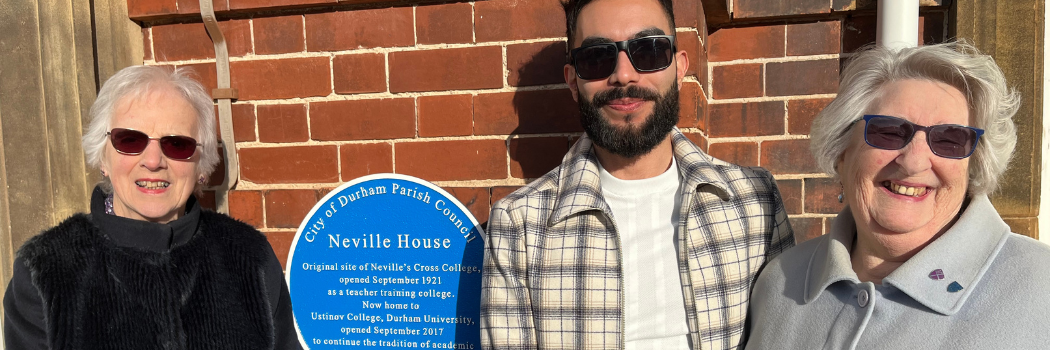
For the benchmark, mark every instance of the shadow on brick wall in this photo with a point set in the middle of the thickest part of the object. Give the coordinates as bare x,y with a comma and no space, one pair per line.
548,117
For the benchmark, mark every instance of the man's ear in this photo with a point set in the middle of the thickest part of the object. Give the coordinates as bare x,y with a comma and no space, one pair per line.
682,63
570,78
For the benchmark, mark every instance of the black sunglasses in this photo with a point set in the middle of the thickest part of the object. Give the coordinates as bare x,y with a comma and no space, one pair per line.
133,142
647,54
945,140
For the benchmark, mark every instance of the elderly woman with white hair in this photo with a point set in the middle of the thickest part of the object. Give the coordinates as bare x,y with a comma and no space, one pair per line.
919,258
148,268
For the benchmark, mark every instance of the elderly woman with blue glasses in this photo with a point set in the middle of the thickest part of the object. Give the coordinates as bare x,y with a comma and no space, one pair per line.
919,258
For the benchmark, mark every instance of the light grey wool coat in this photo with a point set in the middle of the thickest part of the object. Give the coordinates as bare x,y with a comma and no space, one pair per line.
978,286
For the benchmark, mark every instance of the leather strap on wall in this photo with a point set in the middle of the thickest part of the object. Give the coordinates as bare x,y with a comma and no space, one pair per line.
225,96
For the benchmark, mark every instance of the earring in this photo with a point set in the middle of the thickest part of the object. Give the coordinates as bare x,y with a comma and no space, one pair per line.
103,172
841,191
200,180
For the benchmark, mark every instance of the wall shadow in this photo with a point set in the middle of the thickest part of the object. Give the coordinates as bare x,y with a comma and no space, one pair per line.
548,119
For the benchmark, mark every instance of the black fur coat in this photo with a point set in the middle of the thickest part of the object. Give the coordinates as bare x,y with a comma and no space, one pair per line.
214,291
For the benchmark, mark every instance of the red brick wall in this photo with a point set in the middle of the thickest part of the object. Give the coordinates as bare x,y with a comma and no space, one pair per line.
470,95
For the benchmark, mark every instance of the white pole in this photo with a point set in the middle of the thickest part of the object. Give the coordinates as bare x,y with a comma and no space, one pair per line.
898,24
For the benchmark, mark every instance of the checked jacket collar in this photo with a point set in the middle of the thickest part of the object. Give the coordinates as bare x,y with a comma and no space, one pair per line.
553,276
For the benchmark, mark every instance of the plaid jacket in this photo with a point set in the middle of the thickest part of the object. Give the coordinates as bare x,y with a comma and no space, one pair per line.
553,277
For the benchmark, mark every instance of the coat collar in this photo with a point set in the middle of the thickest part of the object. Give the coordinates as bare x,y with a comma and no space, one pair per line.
141,234
580,190
963,254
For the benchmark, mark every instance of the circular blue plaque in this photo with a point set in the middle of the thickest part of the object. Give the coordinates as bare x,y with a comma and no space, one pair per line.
387,261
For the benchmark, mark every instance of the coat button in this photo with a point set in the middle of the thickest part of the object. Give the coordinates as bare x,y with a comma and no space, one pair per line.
862,298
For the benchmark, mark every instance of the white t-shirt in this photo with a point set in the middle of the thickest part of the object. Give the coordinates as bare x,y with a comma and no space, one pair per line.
646,213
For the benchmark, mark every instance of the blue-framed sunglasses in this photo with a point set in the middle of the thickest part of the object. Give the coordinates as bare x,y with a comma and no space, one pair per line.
945,140
647,54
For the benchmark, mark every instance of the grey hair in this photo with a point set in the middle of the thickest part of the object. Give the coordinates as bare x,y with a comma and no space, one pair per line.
991,103
136,82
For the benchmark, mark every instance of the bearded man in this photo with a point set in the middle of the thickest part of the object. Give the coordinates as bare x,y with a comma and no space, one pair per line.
638,239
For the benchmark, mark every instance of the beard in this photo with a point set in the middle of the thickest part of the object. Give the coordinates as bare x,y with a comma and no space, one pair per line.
630,141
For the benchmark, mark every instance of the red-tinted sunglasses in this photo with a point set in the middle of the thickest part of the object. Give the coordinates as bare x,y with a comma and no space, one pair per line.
133,142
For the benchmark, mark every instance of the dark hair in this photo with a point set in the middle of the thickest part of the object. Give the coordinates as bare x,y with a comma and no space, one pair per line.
573,8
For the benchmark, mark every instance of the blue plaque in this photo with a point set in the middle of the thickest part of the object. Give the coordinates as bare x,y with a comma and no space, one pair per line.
387,261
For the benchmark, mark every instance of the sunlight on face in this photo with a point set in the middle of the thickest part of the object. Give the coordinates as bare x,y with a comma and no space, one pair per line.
150,186
873,177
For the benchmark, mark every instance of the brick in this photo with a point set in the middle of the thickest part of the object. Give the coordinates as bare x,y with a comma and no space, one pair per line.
776,8
741,153
360,159
147,44
814,38
501,20
858,31
282,123
282,79
801,114
360,29
281,243
690,43
238,37
138,9
324,191
275,35
360,73
498,192
807,228
188,41
702,70
243,116
298,164
445,24
685,13
475,199
703,111
363,119
802,78
288,208
452,160
207,200
791,195
532,157
247,207
729,44
219,173
203,73
687,108
274,4
747,119
446,115
194,6
526,112
536,63
447,69
737,81
822,196
698,139
788,157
